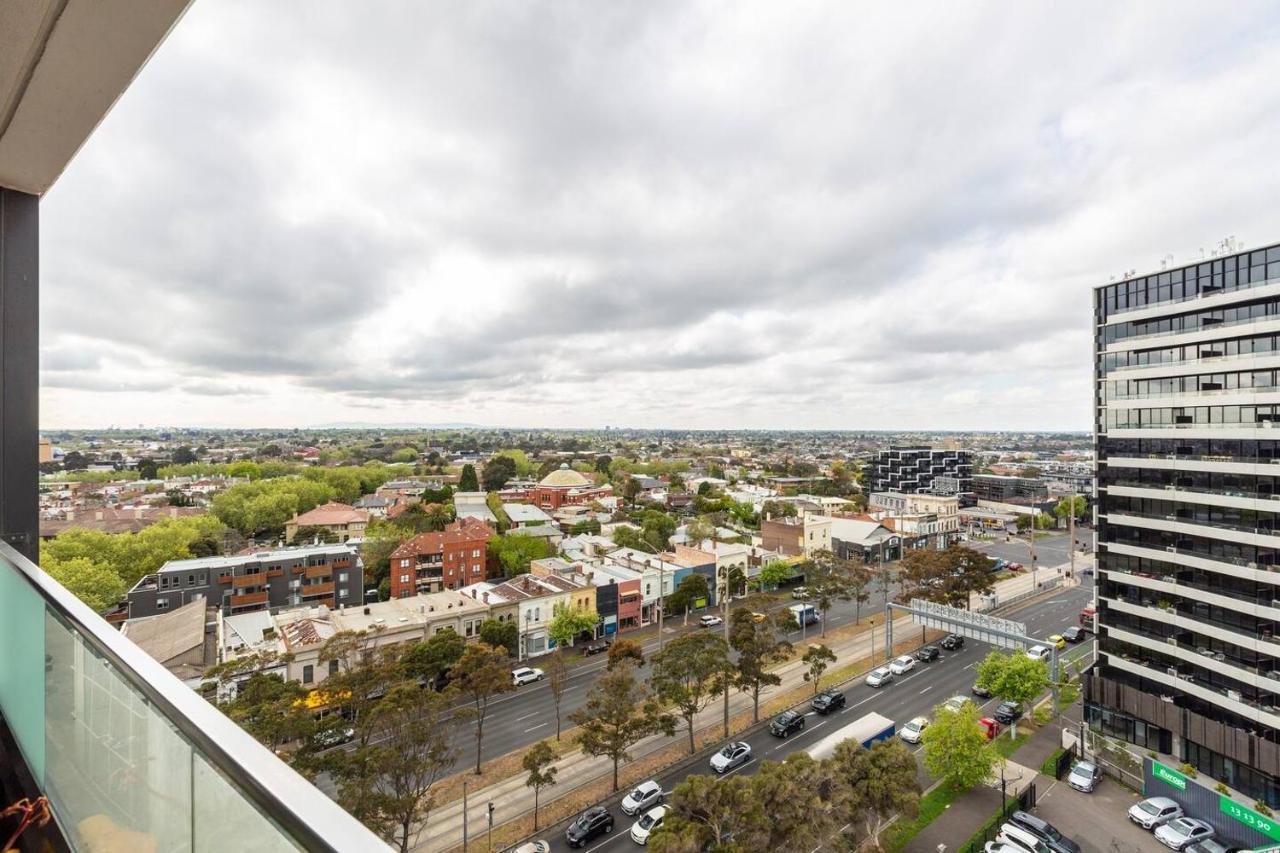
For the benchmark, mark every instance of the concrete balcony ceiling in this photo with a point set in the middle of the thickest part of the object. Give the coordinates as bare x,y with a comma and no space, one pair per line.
63,64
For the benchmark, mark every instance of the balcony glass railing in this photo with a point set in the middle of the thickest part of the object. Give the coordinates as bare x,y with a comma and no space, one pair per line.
129,757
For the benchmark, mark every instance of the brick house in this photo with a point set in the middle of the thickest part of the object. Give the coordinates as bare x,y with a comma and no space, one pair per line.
430,562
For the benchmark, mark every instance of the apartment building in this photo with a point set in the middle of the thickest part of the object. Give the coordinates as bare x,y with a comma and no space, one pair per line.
430,562
917,469
1187,374
285,577
796,537
340,521
1001,489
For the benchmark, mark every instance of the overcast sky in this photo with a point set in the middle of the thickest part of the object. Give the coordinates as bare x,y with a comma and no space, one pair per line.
644,214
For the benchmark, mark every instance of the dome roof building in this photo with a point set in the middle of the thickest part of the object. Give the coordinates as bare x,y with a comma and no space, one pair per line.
565,478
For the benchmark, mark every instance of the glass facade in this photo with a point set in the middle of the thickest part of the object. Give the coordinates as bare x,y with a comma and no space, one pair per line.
1188,579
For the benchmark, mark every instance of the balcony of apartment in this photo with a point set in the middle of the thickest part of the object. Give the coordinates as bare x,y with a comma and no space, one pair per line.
1262,360
1262,607
1198,463
1237,498
255,579
249,599
1224,659
311,590
124,750
1261,536
1182,614
323,571
1269,324
1229,565
1206,300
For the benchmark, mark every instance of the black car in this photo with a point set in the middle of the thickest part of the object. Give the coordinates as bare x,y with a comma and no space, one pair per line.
786,723
827,701
1045,831
586,826
928,653
1074,634
1008,713
951,642
597,648
978,690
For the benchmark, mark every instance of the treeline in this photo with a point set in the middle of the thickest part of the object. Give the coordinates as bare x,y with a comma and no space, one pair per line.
261,507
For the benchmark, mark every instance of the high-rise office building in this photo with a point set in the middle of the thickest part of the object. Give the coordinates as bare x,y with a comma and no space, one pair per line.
1187,374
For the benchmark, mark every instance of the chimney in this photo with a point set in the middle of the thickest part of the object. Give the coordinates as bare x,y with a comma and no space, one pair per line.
98,515
486,598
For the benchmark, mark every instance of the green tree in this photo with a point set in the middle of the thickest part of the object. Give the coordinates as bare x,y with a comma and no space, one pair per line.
829,581
774,573
537,762
684,675
430,659
468,482
602,464
699,530
498,471
624,650
505,634
956,749
587,525
692,589
568,622
270,709
705,811
1072,504
480,675
388,782
816,660
617,715
184,455
758,648
365,673
557,683
1013,677
872,786
148,469
516,551
96,584
858,586
792,814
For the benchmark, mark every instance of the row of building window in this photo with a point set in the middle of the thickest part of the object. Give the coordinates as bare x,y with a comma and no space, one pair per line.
1192,321
1247,345
1188,607
1211,516
1216,276
1175,416
1224,449
1256,380
1194,580
1211,549
1205,676
1209,482
1213,650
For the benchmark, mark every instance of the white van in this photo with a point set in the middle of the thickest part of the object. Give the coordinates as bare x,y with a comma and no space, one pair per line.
1013,834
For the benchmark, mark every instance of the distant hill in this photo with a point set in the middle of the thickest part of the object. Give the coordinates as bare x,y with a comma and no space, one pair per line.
370,425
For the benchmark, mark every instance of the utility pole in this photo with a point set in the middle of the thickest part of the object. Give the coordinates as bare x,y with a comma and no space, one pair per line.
464,816
1031,545
662,604
490,842
1071,535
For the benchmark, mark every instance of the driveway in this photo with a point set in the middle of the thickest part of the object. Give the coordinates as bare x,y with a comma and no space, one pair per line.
1099,821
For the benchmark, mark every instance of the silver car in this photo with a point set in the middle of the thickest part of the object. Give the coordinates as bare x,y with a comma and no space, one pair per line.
1084,776
731,756
643,797
1154,811
1181,832
879,677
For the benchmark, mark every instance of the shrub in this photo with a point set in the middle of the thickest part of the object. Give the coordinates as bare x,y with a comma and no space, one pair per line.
1187,770
1220,788
1262,808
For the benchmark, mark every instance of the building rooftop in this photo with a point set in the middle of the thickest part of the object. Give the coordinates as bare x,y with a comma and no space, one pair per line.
565,478
230,561
330,513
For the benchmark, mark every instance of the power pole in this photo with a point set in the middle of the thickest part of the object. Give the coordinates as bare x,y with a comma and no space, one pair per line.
1071,545
464,817
662,604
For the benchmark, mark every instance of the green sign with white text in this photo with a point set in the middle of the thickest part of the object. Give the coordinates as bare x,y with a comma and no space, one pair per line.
1169,776
1249,817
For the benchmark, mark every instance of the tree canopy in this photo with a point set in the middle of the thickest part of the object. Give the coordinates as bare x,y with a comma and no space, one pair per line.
515,552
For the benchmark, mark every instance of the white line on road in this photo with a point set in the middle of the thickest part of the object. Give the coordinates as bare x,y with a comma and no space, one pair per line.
538,726
927,689
526,716
811,728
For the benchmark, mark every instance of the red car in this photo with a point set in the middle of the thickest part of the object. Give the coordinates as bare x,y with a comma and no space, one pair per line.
990,728
1015,567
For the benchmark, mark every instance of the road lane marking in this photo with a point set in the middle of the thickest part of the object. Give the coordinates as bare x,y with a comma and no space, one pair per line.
785,743
538,726
526,716
927,689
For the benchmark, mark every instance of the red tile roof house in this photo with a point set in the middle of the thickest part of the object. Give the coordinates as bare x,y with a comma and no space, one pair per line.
342,520
430,562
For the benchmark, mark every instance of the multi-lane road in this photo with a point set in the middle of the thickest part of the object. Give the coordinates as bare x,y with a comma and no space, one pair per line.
914,695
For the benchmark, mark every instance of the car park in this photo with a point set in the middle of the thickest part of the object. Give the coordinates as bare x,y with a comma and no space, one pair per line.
1074,634
1038,652
647,824
593,822
525,675
733,755
990,728
1182,832
951,642
1154,811
1047,832
978,690
642,797
1084,776
827,701
1007,713
597,647
928,653
879,677
1020,837
955,703
800,593
710,621
1057,640
902,665
914,729
786,723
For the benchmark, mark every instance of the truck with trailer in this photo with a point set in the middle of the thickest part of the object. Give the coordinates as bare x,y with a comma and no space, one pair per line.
868,731
804,614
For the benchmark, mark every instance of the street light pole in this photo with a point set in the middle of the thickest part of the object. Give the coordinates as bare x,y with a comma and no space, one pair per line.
464,816
662,606
1071,535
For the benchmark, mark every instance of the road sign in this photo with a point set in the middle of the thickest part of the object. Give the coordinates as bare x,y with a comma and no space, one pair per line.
1004,633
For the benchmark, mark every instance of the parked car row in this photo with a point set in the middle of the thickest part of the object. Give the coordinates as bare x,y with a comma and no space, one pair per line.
1171,826
1025,833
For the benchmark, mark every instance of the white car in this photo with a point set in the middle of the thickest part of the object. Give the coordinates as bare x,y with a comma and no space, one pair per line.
644,827
912,731
710,621
643,797
879,677
800,593
1002,847
1154,811
731,756
1181,832
955,703
533,847
1038,652
902,665
525,675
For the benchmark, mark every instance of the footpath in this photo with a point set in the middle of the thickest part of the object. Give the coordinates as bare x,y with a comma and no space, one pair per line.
512,798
